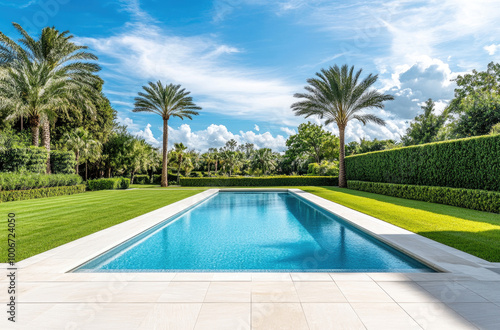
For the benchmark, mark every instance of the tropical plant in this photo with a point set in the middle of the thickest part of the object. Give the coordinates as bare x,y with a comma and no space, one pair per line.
75,141
179,152
338,96
425,127
264,160
57,54
90,151
167,101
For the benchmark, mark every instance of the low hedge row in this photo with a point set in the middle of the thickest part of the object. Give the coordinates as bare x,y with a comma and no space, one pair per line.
106,184
261,181
22,181
142,179
19,195
481,200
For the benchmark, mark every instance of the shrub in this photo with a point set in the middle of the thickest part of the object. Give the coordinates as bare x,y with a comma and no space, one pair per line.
31,159
142,179
63,162
23,181
472,163
481,200
18,195
106,184
156,179
325,168
260,181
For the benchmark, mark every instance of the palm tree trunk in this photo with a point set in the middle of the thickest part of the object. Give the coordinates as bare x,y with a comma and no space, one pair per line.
46,141
342,174
164,182
77,159
109,172
34,122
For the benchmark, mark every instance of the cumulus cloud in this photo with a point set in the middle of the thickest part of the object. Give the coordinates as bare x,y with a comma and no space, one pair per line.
256,127
147,135
216,136
288,131
492,49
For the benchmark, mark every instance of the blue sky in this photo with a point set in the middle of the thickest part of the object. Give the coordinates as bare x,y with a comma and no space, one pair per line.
244,59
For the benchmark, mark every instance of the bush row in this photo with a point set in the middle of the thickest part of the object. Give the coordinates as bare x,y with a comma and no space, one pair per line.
105,184
481,200
472,163
18,195
261,181
63,162
34,159
26,180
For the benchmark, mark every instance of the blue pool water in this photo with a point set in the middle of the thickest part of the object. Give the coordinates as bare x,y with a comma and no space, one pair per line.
261,231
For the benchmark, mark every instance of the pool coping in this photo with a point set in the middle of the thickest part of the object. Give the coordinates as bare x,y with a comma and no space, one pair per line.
67,257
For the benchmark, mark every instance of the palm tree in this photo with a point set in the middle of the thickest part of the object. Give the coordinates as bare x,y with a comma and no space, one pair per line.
179,149
166,101
264,160
55,50
75,141
338,96
90,151
207,157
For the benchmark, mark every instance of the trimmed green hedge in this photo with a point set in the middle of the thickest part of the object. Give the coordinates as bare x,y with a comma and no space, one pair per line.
481,200
261,181
106,184
22,181
63,162
19,195
31,159
472,163
142,179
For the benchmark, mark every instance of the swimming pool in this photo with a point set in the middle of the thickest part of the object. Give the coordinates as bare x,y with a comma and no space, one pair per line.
254,231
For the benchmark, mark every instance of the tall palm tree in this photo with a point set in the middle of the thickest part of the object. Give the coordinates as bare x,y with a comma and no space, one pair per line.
167,101
207,157
90,151
75,141
56,51
179,149
338,96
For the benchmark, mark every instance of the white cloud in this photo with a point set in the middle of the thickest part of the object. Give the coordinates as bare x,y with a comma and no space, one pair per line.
256,127
147,135
288,131
216,136
492,49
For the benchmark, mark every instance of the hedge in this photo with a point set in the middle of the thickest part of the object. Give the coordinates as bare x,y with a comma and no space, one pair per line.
31,159
63,162
481,200
261,181
472,163
19,195
105,184
22,181
142,179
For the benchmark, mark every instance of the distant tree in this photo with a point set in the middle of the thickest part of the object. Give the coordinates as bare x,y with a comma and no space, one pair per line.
313,141
365,145
425,127
264,160
477,114
167,101
231,145
495,130
338,96
179,152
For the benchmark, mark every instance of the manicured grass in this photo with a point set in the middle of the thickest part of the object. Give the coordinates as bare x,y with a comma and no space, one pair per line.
42,224
139,186
474,232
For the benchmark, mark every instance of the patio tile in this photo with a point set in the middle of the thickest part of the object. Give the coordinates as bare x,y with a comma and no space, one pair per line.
134,292
274,292
323,277
388,277
384,316
487,289
350,277
450,292
271,277
184,292
407,292
325,316
319,292
118,316
484,315
278,316
229,292
436,316
363,291
224,316
232,277
171,316
193,277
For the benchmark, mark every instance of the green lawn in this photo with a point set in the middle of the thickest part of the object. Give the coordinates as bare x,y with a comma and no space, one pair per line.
45,223
474,232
